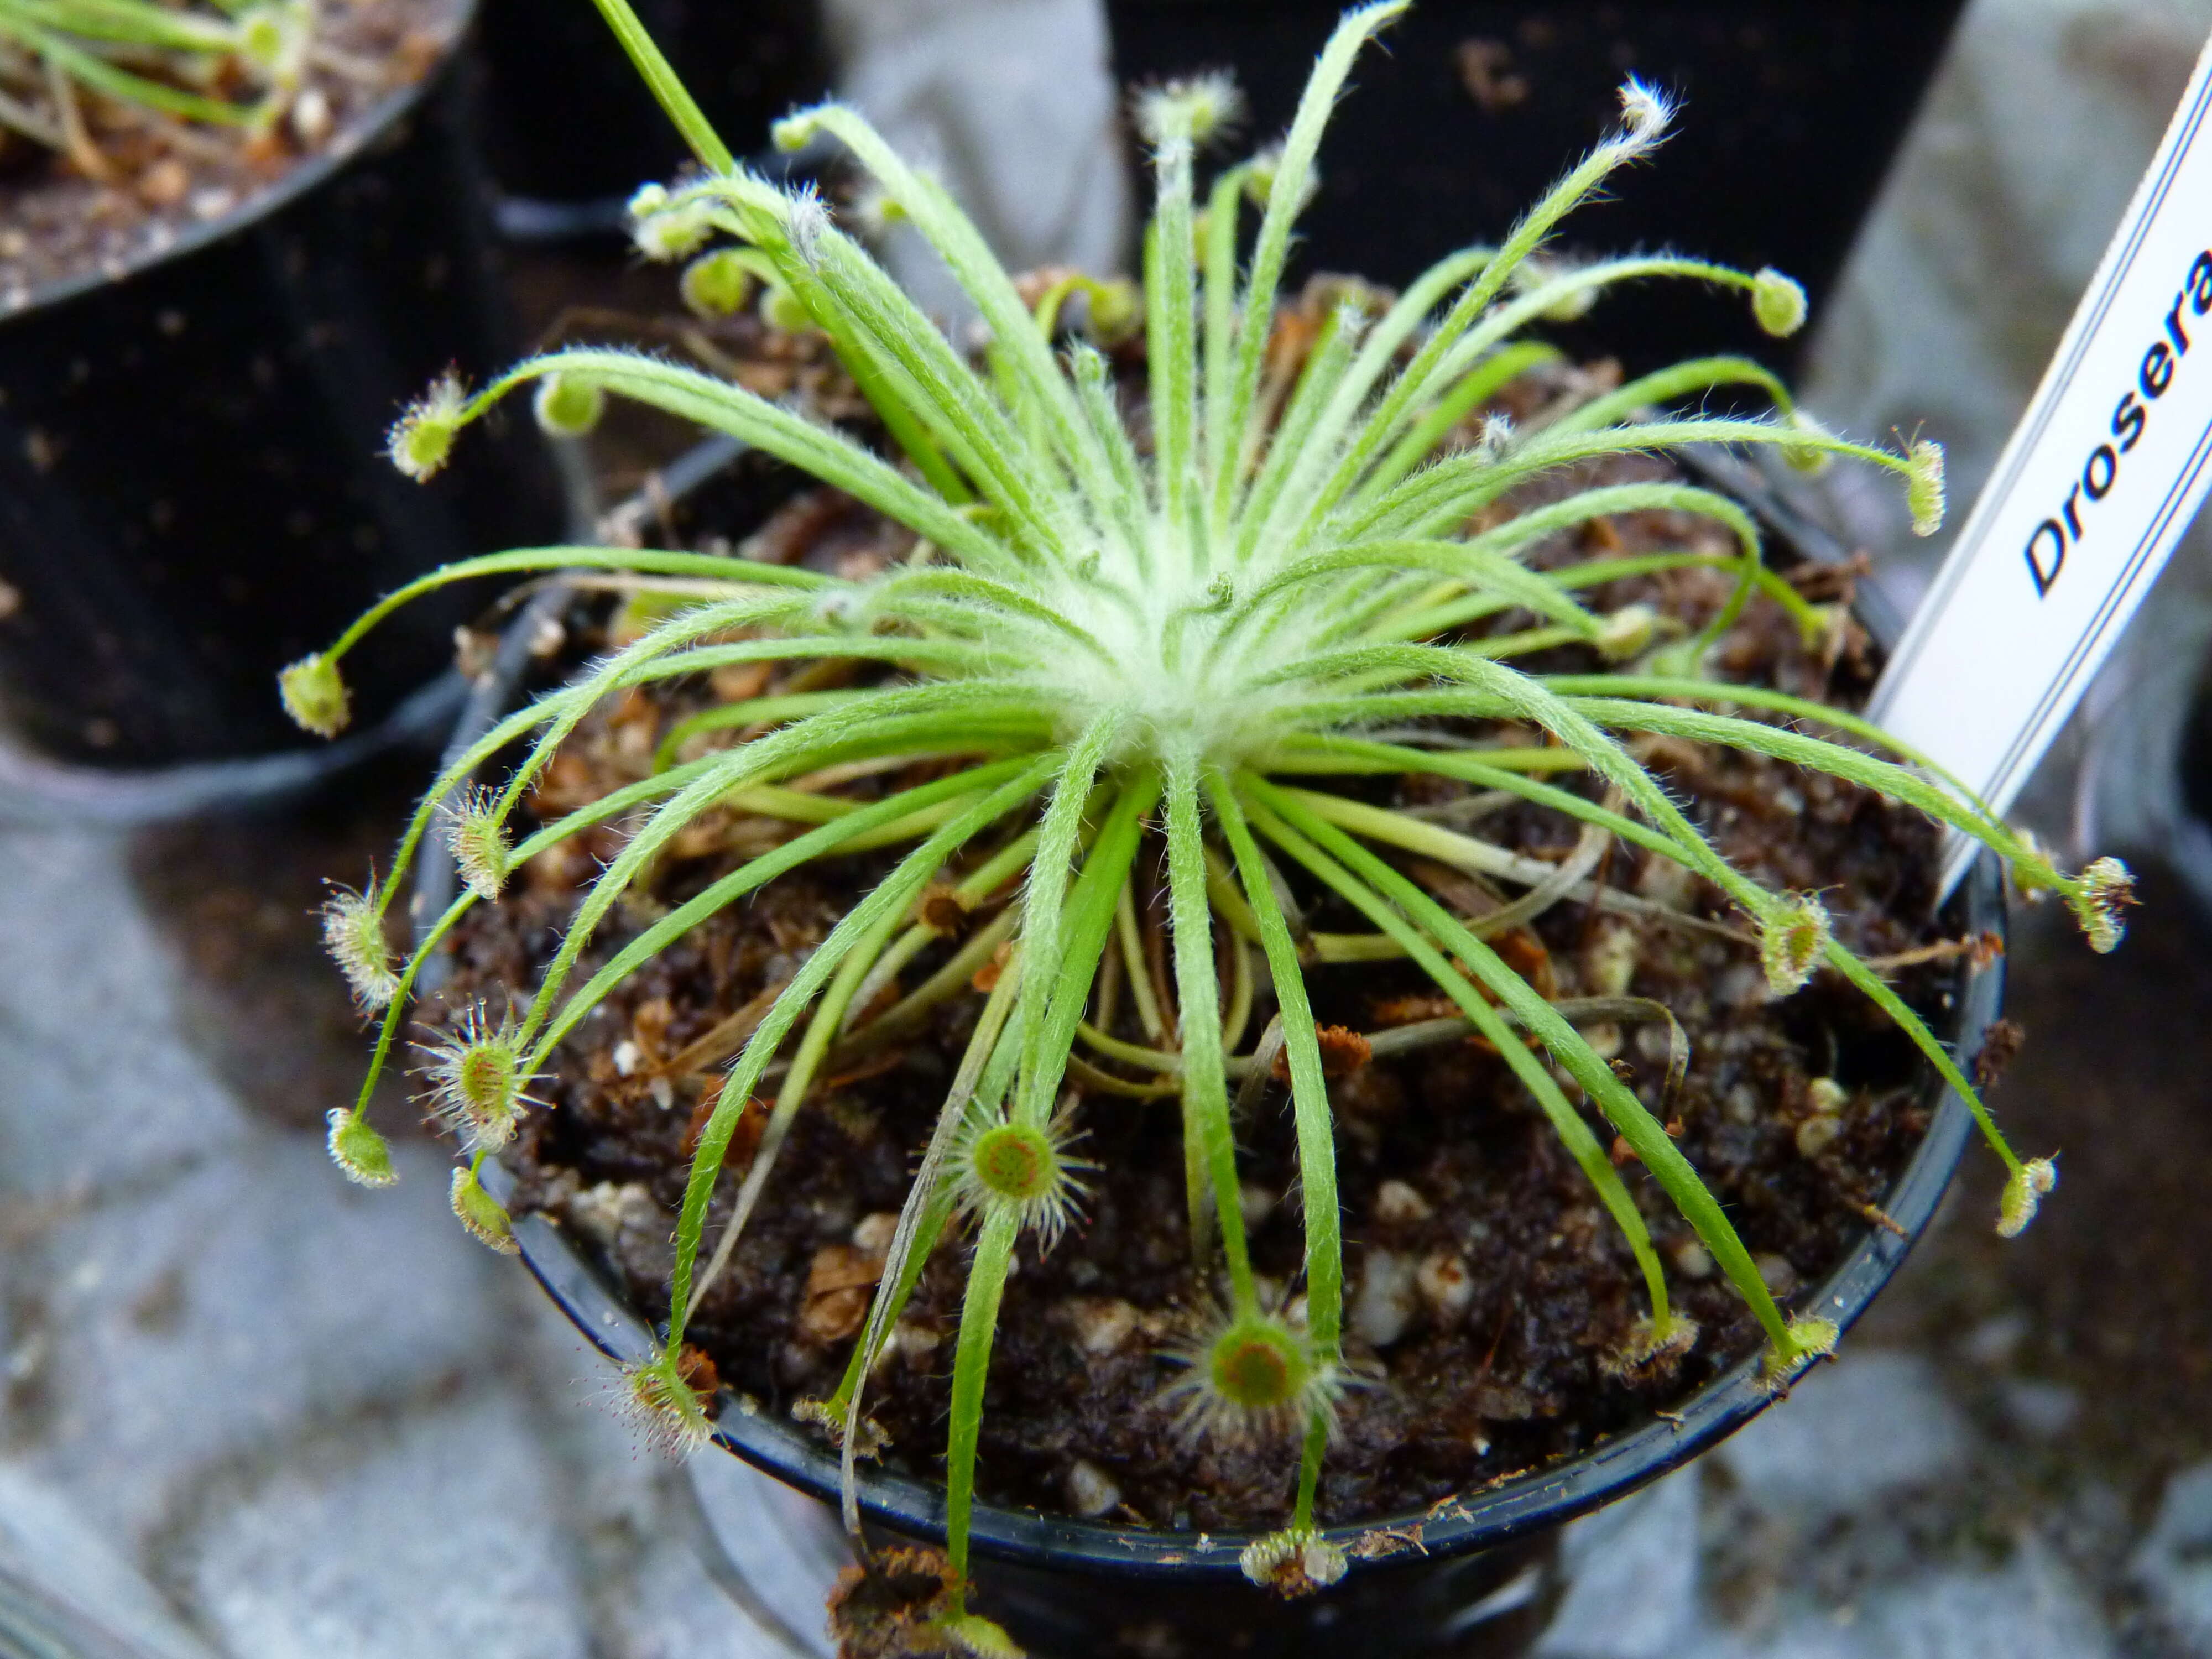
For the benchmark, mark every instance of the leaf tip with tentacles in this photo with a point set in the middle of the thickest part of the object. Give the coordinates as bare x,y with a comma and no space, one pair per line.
477,1085
1792,937
1778,301
314,694
1253,1376
484,1216
2024,1191
1808,1340
363,1156
667,1397
422,440
2107,893
1923,486
353,933
1295,1562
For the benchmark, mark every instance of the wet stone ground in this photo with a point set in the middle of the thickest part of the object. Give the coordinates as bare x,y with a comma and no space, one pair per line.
252,1412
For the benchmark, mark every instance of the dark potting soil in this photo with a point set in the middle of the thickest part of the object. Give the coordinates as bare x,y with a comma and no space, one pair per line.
163,178
1486,1287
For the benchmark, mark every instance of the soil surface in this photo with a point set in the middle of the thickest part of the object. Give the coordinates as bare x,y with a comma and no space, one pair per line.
148,179
1486,1288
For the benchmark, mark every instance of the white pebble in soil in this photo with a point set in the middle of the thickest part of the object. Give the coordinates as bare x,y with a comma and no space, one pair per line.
1090,1491
1398,1204
603,1211
1099,1324
873,1235
1387,1298
1446,1284
1255,1204
1816,1134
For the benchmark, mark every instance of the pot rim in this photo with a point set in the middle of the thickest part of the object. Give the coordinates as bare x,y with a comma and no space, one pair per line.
1512,1507
372,125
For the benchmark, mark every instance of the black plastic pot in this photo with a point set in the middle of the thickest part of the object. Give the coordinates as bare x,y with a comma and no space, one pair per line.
570,130
1790,115
192,491
1477,1581
1068,1587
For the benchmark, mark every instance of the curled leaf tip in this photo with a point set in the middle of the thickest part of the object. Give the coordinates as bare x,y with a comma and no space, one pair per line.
2023,1191
1923,486
796,131
1645,111
1626,632
567,406
2106,893
663,228
484,1217
1294,1562
1790,942
873,210
1809,1340
364,1154
1808,452
1114,309
1778,302
315,696
422,439
478,841
716,284
1191,110
1260,173
670,1414
353,932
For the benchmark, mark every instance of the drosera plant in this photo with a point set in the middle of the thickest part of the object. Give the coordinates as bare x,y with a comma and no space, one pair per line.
230,63
1113,649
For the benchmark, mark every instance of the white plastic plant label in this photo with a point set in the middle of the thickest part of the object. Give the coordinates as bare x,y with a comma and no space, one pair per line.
2097,484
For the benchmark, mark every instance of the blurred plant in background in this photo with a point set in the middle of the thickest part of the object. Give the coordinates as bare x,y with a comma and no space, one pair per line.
67,67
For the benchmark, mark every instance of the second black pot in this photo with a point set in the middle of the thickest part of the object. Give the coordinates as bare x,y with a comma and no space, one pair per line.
1459,121
570,130
192,490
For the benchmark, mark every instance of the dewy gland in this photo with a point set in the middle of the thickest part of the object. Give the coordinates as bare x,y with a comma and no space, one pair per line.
2047,546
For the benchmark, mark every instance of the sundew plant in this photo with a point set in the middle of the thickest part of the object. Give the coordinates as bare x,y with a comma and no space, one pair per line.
1161,638
186,62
